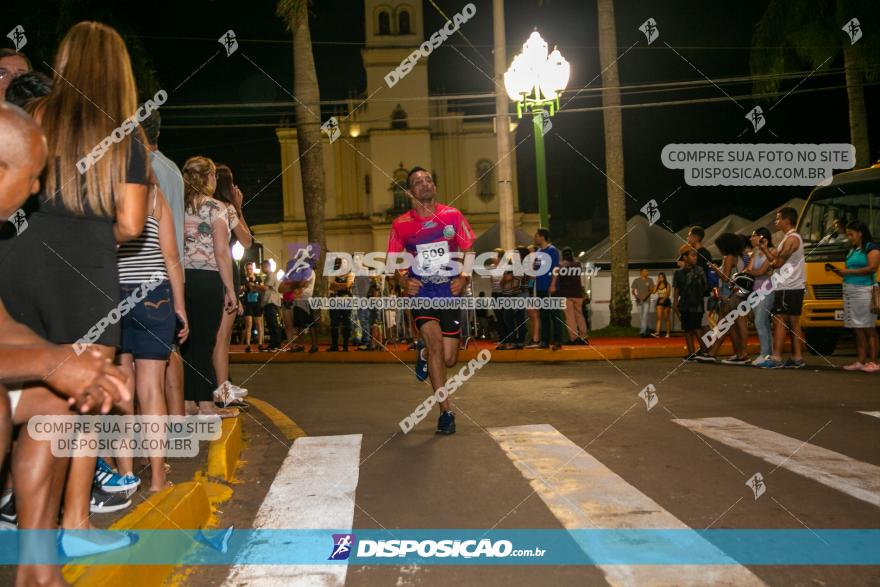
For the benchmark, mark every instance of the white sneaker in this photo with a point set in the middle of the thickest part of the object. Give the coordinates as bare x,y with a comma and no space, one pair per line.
759,359
237,391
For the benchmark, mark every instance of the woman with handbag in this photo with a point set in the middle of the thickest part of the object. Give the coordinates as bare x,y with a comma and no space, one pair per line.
859,294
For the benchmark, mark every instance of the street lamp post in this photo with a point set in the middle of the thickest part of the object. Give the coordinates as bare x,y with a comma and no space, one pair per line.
534,81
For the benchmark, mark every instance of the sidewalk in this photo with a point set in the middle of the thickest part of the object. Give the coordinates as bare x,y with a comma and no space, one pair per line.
600,349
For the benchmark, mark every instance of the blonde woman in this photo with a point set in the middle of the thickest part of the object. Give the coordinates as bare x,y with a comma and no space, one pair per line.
209,291
84,209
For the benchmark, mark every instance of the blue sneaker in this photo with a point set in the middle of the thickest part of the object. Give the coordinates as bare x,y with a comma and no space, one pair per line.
769,363
792,364
421,360
111,481
446,423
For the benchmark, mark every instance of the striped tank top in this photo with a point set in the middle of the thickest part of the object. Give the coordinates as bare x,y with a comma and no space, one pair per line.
140,258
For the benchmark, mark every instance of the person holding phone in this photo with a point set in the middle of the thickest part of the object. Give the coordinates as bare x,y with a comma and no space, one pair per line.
859,279
760,269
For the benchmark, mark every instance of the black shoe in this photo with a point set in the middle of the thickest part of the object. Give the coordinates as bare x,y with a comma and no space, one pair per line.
8,517
314,349
333,349
103,502
247,349
446,423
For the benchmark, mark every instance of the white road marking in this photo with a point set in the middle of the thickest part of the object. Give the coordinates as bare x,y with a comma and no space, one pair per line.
874,414
315,488
856,478
583,493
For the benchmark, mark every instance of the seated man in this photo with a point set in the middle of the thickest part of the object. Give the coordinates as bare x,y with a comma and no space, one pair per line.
88,381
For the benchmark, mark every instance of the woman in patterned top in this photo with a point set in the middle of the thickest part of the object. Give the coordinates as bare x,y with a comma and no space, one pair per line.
209,291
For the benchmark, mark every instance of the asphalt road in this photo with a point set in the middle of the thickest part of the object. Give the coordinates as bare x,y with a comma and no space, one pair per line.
669,460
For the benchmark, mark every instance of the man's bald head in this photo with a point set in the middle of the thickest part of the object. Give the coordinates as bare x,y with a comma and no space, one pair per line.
22,158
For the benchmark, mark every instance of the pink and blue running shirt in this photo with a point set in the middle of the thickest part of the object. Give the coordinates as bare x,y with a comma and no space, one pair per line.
428,238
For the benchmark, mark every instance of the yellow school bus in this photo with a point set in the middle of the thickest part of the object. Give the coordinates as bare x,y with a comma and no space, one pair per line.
822,222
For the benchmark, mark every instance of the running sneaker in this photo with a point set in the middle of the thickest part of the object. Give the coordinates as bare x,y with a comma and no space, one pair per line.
77,543
736,361
111,481
770,363
704,358
871,368
421,360
8,517
446,423
857,366
759,359
103,502
792,364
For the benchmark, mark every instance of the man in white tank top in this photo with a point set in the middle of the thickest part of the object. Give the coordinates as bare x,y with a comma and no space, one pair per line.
789,280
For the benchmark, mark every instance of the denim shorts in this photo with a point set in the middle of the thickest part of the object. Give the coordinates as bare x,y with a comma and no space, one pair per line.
148,328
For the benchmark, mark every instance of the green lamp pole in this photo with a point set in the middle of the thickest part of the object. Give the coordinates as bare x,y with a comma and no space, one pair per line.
534,81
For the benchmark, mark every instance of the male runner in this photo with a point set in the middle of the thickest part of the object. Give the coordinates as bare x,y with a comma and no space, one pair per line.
430,232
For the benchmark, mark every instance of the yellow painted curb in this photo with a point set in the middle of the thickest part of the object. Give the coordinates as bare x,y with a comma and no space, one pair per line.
188,506
185,506
224,452
287,426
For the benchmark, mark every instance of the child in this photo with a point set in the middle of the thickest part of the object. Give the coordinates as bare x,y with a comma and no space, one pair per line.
689,285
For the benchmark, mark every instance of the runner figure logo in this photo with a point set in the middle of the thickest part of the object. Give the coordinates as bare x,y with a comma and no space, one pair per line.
651,210
854,29
757,484
19,220
19,39
649,27
756,117
331,128
648,395
302,258
229,42
342,545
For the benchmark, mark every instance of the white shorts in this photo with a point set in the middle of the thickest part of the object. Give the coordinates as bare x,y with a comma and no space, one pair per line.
857,306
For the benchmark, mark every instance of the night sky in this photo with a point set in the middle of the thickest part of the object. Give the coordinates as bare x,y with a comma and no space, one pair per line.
176,40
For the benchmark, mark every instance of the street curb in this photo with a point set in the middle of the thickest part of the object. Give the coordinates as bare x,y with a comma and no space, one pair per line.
187,506
566,354
224,452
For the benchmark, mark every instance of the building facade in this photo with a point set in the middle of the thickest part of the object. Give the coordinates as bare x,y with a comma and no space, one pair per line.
382,136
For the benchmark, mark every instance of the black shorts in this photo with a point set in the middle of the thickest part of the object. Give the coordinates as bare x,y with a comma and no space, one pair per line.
664,303
303,318
450,320
788,302
253,309
691,321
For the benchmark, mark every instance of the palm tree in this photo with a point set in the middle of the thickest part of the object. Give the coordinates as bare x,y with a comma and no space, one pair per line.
620,302
308,124
797,32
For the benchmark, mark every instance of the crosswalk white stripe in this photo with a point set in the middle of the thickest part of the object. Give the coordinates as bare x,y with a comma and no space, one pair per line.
856,478
583,493
874,414
314,489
